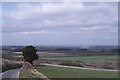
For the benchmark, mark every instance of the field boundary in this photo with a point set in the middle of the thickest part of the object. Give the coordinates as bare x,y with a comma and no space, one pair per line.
79,67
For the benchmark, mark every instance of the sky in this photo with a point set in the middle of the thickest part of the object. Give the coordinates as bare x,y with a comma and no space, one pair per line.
60,23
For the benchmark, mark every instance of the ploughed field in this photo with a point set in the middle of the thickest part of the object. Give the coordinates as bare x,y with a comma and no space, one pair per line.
52,54
48,54
57,72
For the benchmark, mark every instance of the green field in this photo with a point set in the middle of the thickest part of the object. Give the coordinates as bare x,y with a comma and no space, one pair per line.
8,52
92,59
85,53
57,72
5,52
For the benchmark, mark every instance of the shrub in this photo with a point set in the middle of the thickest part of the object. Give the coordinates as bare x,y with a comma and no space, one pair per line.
70,63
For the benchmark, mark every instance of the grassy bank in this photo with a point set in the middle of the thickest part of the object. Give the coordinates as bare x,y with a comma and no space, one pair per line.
92,59
9,64
57,72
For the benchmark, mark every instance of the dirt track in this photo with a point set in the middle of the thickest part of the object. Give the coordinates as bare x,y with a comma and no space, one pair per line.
78,67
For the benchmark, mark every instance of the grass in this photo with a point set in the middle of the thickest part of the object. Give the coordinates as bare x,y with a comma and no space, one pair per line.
92,59
57,72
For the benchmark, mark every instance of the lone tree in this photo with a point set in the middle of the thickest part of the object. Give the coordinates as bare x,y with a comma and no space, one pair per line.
29,53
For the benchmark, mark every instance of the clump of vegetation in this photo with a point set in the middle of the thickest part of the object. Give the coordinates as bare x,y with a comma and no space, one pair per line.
107,65
29,53
32,74
7,65
70,63
27,74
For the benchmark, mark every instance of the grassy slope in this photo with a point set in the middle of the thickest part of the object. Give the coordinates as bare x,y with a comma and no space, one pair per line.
9,64
56,72
92,59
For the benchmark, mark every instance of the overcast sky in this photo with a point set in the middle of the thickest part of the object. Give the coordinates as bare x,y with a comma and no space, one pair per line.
64,23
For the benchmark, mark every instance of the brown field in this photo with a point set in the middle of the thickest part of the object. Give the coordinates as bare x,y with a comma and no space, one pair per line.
18,52
49,54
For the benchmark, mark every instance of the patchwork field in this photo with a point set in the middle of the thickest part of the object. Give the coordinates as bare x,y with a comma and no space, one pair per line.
57,72
71,53
85,53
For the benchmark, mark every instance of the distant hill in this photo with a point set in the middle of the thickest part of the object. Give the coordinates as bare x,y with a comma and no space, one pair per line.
105,48
46,48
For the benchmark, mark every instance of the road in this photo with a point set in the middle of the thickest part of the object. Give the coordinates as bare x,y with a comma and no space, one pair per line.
78,67
14,73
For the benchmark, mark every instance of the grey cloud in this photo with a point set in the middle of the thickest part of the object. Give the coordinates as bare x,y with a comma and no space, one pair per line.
63,19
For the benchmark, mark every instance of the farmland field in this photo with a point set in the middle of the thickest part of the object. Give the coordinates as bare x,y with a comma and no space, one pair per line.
57,72
92,59
7,52
85,53
65,53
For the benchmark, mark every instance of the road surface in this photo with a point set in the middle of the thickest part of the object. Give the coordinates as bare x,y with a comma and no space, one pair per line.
78,67
13,73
